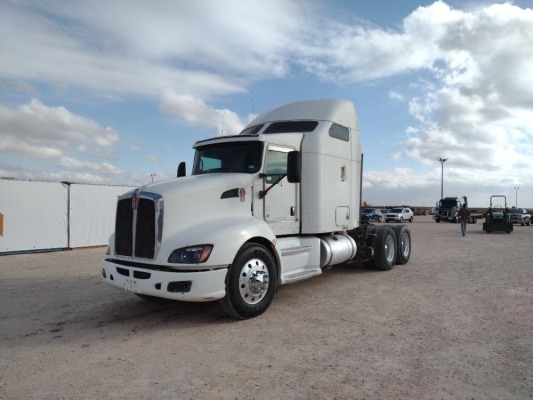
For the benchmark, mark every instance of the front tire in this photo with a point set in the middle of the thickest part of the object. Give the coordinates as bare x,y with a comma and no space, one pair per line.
251,282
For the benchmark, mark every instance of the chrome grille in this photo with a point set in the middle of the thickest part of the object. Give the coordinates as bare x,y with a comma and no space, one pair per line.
139,225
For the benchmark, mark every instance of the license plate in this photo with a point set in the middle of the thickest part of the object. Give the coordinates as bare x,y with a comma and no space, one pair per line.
131,285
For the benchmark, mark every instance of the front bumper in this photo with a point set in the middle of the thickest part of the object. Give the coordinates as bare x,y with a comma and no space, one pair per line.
195,286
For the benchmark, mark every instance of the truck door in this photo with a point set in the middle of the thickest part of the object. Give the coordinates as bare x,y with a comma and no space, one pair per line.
281,202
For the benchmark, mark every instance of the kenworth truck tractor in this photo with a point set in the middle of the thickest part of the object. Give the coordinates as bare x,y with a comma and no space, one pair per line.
276,204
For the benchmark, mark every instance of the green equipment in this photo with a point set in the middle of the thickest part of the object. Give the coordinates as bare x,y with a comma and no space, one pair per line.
498,218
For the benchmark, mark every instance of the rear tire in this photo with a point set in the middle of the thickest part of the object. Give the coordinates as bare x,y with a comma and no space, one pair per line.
403,244
251,282
385,249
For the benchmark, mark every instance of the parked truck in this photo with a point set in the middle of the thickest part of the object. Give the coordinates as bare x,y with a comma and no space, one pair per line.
446,210
274,205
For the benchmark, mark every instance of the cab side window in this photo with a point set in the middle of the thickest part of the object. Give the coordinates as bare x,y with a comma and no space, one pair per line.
275,165
339,132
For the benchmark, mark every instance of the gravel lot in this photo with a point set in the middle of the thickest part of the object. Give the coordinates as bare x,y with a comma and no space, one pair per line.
454,323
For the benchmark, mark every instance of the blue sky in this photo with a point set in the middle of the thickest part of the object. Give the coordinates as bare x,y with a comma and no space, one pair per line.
114,91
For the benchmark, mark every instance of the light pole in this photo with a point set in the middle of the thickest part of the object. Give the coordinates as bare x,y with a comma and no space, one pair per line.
152,175
516,196
442,161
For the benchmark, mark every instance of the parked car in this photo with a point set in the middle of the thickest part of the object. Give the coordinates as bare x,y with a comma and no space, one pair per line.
371,214
399,214
520,216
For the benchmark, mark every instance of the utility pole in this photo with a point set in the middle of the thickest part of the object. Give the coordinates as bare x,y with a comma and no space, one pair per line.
442,161
516,196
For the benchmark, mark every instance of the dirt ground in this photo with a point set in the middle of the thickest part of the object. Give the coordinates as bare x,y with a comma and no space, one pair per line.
456,322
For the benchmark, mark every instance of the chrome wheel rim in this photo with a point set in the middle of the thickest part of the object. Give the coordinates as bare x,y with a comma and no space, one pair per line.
405,244
389,249
253,281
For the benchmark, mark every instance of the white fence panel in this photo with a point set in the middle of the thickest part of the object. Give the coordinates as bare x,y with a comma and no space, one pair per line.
92,213
34,215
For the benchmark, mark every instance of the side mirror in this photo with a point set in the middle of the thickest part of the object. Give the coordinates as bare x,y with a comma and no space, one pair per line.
294,167
181,169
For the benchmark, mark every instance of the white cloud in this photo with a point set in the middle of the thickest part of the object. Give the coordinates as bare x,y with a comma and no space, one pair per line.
478,111
397,178
196,112
75,164
144,49
11,144
396,156
153,159
54,135
474,88
37,124
395,96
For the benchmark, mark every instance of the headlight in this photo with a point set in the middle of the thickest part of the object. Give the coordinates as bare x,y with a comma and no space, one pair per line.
191,255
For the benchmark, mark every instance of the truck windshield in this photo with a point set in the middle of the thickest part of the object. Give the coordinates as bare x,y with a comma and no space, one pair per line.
228,157
447,203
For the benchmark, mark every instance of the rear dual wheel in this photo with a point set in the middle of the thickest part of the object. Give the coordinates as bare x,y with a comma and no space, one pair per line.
383,240
403,244
391,244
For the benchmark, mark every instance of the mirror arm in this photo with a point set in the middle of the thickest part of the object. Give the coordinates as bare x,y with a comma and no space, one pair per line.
263,193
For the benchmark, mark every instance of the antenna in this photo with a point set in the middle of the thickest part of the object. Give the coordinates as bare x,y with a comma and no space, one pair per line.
252,91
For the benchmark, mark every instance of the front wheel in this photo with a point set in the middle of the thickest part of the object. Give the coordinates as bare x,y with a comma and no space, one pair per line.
411,219
251,282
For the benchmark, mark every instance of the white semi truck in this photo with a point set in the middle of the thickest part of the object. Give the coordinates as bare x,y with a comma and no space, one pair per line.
276,204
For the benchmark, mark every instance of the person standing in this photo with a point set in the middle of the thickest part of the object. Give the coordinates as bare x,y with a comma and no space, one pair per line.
464,214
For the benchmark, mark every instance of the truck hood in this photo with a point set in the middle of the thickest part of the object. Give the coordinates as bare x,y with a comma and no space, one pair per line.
191,200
